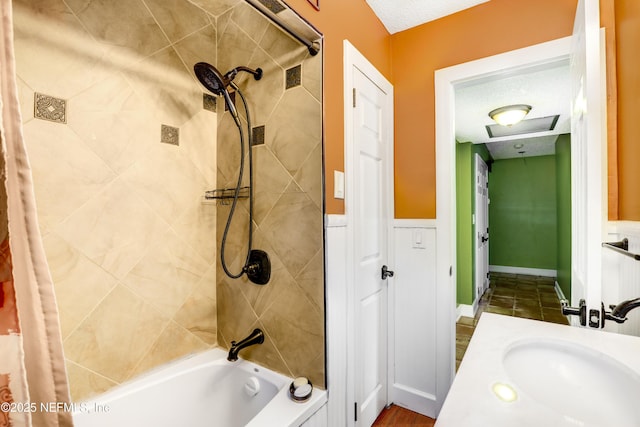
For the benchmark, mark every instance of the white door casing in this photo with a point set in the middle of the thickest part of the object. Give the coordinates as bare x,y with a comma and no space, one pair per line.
481,228
369,210
445,81
588,136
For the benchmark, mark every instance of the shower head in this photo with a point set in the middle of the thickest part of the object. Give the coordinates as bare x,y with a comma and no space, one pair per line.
211,78
217,83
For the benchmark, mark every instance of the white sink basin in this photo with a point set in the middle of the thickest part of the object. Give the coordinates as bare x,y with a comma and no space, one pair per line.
584,386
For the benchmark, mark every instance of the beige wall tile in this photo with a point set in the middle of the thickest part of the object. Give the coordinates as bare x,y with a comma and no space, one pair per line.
114,122
174,342
296,327
285,50
250,20
216,7
63,185
177,18
235,47
263,95
198,316
312,75
117,334
198,140
198,47
294,228
53,50
79,283
167,274
271,180
124,23
167,86
84,383
295,128
197,228
307,176
166,180
114,229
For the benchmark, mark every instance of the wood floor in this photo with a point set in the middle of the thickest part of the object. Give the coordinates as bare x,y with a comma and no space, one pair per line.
397,416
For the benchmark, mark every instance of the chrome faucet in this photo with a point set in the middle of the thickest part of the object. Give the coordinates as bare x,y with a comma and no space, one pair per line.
619,312
256,337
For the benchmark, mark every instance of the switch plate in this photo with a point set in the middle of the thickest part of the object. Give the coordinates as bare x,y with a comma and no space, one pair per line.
338,184
418,239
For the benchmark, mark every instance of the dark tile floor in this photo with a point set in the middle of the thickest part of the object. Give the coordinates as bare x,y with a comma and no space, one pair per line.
531,297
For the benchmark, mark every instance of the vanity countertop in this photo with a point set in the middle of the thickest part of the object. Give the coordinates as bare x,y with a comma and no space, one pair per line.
472,402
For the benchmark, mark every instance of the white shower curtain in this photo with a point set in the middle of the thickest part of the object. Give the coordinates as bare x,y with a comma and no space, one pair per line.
32,369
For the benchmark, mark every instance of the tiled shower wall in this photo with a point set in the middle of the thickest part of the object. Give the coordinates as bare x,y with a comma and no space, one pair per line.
286,105
128,239
130,244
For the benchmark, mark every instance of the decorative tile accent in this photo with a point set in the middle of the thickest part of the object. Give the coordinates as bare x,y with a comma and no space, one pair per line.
258,136
209,102
294,76
169,135
273,5
49,108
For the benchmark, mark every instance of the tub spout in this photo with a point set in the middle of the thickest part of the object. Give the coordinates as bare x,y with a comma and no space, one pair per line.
256,337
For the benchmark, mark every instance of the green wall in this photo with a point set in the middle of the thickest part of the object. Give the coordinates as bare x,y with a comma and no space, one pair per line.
563,194
523,213
465,207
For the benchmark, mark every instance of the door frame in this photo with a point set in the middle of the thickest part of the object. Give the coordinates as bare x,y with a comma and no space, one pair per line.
445,81
483,285
353,58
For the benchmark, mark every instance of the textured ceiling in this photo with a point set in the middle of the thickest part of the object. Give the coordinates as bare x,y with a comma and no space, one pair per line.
399,15
546,89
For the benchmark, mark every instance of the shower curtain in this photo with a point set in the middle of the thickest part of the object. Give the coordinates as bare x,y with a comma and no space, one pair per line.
33,380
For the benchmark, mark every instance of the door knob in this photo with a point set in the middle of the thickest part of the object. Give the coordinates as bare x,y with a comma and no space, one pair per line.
386,272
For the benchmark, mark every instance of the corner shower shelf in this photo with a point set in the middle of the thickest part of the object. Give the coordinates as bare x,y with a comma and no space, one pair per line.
226,194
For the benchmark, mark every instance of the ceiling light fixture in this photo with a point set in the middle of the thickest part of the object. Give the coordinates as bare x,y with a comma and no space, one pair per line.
510,114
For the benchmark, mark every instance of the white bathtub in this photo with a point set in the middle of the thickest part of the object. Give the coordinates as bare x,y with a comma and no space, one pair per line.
198,391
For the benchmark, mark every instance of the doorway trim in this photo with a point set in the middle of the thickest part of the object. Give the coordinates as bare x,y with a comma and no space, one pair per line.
445,81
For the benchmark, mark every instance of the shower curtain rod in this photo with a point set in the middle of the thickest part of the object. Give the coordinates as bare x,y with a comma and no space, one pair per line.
312,45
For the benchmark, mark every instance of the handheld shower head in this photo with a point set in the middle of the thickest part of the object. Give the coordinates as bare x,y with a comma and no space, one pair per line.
215,82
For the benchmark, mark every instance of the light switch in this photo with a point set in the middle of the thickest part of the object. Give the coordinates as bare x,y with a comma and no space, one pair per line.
338,184
418,239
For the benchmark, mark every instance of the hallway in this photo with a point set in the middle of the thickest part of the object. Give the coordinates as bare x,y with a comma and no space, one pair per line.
530,297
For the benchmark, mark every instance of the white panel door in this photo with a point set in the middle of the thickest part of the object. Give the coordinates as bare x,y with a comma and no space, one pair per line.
370,250
587,155
482,228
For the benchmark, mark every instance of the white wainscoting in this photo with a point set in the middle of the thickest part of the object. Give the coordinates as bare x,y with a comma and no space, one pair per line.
412,340
523,270
339,392
621,275
413,349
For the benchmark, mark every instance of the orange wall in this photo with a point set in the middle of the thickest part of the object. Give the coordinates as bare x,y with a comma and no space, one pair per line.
338,20
410,58
488,29
627,13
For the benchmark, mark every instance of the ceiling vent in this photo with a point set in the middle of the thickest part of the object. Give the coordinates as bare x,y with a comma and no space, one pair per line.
541,124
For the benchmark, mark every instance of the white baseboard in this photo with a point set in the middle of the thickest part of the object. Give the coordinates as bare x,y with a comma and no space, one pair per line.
523,270
466,310
559,292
